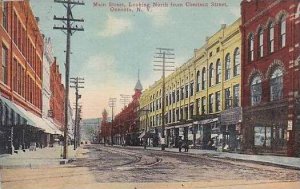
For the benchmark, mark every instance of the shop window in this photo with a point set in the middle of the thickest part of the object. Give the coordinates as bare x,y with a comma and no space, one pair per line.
218,71
227,67
262,136
271,38
237,62
276,85
256,90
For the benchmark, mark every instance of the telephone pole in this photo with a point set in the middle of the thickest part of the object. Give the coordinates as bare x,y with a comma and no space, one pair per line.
124,99
69,29
112,104
77,81
164,59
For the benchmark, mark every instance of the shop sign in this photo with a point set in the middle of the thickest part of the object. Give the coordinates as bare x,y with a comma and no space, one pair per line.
290,125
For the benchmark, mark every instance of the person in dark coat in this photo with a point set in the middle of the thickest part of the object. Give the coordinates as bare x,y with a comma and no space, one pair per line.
186,146
179,144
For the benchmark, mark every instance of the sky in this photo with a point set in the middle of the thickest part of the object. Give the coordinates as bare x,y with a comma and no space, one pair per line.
115,44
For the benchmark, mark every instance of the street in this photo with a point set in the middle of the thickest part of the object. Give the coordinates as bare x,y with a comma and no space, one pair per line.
112,167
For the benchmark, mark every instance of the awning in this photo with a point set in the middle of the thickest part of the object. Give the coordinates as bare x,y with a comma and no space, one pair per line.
142,134
181,126
206,121
17,110
56,131
214,135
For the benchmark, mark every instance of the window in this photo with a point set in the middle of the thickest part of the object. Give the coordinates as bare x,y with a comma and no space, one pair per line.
276,85
203,79
251,48
282,32
227,67
4,72
261,43
219,71
271,38
181,93
198,81
256,90
186,91
5,15
211,103
262,136
211,75
167,100
236,95
173,97
197,106
218,101
237,62
177,95
191,111
203,107
227,98
191,88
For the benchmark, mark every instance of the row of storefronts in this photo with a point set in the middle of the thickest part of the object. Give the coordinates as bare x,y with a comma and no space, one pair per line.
20,129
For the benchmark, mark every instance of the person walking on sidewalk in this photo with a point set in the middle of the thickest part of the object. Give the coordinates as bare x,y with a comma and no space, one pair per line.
180,144
186,146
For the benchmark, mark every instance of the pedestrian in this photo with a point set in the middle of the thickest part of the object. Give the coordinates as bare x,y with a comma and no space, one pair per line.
179,144
186,146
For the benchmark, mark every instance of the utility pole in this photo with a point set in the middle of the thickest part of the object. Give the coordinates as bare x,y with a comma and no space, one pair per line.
77,81
164,59
112,104
69,29
124,99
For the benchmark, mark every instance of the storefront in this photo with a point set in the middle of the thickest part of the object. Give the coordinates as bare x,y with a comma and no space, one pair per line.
207,134
265,129
230,128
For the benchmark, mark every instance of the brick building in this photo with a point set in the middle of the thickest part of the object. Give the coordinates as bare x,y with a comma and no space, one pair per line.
20,78
57,95
125,124
270,75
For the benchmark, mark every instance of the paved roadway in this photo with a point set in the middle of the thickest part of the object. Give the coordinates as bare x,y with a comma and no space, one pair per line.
114,167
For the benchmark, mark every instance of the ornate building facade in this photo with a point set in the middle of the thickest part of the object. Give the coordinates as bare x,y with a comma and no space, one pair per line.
270,76
202,96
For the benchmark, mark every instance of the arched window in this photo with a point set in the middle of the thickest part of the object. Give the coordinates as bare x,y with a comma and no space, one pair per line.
282,37
219,71
198,81
276,85
251,47
256,90
203,79
261,42
227,67
211,74
236,62
271,37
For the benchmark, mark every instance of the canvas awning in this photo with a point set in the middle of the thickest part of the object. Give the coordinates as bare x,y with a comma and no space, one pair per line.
142,134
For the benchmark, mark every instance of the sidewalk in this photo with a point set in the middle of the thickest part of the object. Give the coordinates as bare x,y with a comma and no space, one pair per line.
282,161
40,157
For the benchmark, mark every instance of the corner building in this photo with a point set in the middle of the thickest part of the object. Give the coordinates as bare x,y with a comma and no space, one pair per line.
270,76
202,96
